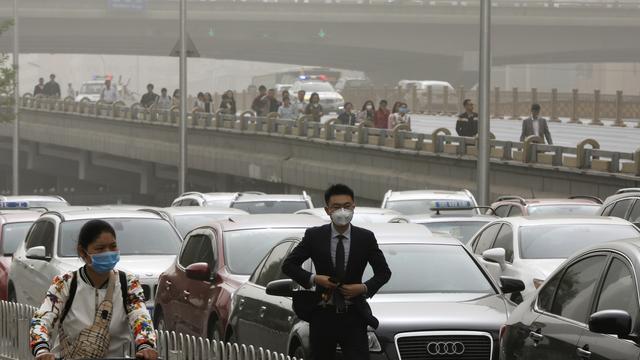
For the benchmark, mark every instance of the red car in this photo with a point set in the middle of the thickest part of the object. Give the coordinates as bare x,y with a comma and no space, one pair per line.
14,225
194,294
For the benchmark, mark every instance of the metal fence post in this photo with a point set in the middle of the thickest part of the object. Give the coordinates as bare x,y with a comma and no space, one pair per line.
619,104
575,119
554,106
514,104
497,114
430,100
445,100
596,109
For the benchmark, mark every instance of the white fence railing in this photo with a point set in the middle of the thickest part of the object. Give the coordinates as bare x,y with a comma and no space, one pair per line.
14,341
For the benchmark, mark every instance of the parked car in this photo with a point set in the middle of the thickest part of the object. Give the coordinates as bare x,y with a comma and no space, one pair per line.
216,199
624,204
438,294
361,215
461,226
419,202
346,84
147,242
518,206
187,218
588,309
34,201
194,293
530,248
272,203
14,225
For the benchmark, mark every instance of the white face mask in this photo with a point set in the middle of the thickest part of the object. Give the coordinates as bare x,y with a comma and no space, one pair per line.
342,217
369,107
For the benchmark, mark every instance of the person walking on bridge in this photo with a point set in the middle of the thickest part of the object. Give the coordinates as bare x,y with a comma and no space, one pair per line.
381,118
314,109
260,104
149,98
52,88
164,101
400,117
467,124
39,88
109,92
368,112
536,125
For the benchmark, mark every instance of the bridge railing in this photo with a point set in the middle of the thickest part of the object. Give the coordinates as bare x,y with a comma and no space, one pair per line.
14,341
585,156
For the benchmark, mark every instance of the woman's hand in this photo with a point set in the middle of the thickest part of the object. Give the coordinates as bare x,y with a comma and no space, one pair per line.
146,354
46,356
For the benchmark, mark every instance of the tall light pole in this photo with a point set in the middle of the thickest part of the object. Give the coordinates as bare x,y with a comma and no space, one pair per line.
16,105
485,82
182,166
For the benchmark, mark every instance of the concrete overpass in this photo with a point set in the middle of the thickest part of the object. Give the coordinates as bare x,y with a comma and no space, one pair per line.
136,153
387,40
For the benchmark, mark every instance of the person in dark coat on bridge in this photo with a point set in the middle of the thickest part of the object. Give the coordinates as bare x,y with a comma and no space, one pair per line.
39,88
52,88
536,125
467,124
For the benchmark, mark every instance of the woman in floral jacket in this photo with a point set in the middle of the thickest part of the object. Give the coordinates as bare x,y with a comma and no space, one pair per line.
71,302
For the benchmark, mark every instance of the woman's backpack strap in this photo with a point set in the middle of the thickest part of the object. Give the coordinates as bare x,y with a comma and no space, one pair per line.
72,294
123,289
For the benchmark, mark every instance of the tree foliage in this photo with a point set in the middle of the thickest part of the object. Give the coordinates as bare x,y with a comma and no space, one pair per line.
7,79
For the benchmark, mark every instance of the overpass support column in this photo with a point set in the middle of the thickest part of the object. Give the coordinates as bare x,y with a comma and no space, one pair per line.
143,169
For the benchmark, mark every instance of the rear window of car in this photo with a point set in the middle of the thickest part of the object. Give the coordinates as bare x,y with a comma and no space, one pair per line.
583,209
424,206
271,207
559,241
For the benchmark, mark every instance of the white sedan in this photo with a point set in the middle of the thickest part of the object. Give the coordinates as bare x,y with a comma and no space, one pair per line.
531,248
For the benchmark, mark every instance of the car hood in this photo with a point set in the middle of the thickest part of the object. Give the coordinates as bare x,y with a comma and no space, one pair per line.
399,313
144,267
541,268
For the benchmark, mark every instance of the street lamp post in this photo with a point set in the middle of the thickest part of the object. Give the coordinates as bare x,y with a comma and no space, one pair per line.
182,166
485,82
16,105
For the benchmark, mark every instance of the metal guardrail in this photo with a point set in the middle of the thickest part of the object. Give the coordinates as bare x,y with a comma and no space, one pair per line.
14,341
586,156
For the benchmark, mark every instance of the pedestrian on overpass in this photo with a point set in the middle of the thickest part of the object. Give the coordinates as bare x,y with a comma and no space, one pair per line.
274,104
300,103
287,110
314,109
109,92
149,98
228,103
175,99
260,104
94,309
39,88
467,124
381,118
368,112
400,117
337,311
347,117
164,101
536,125
52,88
208,103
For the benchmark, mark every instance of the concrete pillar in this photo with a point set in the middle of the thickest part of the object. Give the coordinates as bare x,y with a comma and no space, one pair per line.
445,100
554,106
619,103
243,100
514,104
596,109
414,99
534,95
575,119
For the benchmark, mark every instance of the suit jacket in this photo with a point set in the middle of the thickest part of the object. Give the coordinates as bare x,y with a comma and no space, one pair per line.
527,129
316,244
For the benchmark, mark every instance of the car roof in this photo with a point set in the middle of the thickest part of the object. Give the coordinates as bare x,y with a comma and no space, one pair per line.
445,216
201,210
427,194
270,197
550,219
551,201
52,198
274,221
629,247
96,213
624,195
360,210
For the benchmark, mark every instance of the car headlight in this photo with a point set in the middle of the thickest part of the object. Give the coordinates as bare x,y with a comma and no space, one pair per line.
374,344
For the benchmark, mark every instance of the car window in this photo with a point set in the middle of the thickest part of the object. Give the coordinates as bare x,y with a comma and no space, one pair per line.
575,292
197,249
634,217
620,208
256,272
505,241
486,238
619,290
272,267
607,210
502,210
545,297
42,235
13,234
515,211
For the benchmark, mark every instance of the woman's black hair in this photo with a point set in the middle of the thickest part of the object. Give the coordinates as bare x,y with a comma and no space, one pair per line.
314,95
373,106
92,230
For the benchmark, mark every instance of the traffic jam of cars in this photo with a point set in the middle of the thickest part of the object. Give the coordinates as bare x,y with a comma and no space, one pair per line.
520,279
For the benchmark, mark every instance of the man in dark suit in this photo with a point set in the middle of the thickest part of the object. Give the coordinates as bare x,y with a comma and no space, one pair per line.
535,125
340,253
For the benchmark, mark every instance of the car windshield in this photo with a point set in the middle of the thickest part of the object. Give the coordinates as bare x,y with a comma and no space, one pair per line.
458,273
91,88
188,222
461,230
271,207
12,235
317,87
559,241
424,206
581,209
243,249
134,236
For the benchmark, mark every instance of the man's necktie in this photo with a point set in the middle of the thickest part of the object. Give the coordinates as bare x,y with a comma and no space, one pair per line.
338,299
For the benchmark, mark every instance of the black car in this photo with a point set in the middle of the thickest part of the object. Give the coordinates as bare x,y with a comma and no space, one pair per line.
587,309
439,304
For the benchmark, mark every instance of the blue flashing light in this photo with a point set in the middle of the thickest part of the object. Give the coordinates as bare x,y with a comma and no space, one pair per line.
303,77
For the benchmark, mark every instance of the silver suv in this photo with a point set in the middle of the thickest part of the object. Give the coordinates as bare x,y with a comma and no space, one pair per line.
419,202
215,199
272,203
624,204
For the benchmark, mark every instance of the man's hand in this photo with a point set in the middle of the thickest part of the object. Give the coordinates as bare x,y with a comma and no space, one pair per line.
352,290
323,280
46,356
147,354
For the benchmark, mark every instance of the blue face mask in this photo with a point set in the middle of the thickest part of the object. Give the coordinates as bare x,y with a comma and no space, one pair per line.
105,261
404,110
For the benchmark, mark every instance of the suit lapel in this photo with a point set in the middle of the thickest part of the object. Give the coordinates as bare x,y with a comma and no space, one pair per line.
326,247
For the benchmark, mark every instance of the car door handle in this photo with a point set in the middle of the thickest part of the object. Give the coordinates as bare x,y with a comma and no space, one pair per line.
536,336
240,304
262,310
583,352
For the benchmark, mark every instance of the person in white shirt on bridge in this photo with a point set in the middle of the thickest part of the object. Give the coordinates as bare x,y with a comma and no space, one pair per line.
109,92
286,110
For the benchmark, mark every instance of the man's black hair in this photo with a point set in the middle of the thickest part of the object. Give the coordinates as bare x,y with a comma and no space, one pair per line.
465,102
337,189
384,102
149,84
262,88
535,107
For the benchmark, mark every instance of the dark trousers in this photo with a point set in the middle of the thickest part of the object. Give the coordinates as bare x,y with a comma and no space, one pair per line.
349,330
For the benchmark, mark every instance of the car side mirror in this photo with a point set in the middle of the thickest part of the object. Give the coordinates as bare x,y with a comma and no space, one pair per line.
199,271
616,322
282,287
37,253
495,255
510,285
636,222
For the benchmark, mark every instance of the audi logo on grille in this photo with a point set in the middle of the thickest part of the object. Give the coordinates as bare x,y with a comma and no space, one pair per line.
445,348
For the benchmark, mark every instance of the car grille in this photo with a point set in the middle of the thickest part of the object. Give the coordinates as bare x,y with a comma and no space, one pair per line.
444,346
147,292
